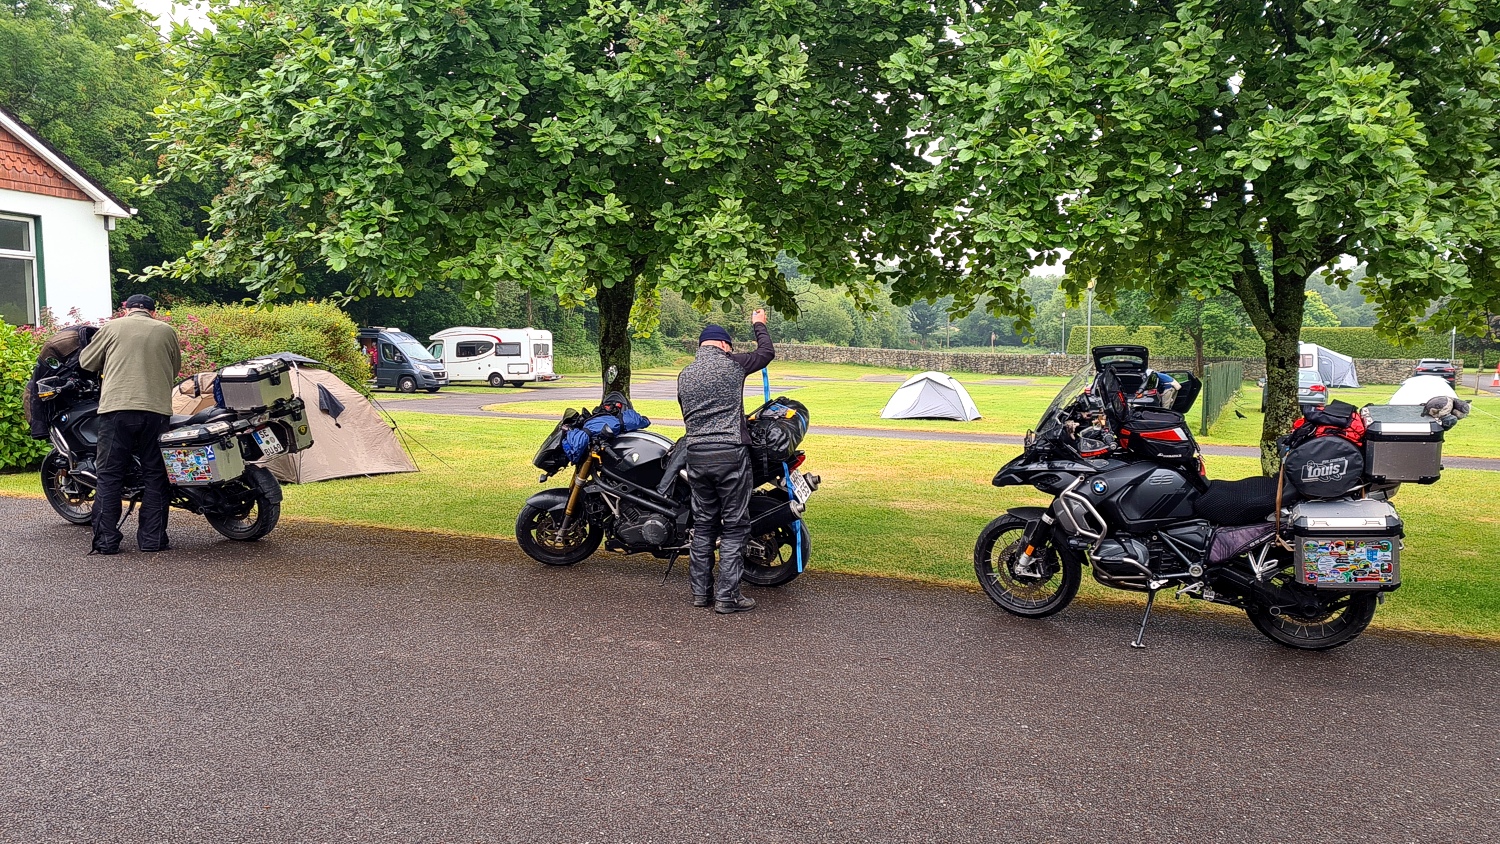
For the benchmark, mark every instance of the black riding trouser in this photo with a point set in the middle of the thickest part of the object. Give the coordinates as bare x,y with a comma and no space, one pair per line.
719,477
124,437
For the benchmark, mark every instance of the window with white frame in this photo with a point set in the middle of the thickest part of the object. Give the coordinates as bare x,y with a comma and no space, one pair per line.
17,270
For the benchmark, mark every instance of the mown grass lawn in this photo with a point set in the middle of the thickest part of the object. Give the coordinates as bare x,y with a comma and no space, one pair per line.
890,508
839,395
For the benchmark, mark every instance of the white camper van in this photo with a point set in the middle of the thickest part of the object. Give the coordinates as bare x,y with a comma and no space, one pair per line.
496,355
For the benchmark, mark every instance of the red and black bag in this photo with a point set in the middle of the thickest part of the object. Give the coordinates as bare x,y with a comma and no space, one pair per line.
1336,419
1160,435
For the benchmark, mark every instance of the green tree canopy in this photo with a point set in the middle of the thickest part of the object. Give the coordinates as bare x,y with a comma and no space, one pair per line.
1317,313
1234,145
591,150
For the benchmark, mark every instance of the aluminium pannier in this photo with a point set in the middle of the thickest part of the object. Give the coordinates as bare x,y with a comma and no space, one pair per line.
1352,544
254,385
1402,445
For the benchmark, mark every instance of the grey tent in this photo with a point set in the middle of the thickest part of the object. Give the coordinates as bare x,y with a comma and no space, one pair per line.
349,437
930,395
1335,369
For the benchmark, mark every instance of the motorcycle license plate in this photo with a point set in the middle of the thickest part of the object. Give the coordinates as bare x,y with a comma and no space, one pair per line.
800,488
269,444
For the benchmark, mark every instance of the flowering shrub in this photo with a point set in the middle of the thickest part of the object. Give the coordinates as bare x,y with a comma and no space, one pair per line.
19,348
213,336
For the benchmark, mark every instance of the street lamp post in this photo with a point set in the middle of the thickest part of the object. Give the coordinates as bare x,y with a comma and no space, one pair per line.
1088,332
1064,341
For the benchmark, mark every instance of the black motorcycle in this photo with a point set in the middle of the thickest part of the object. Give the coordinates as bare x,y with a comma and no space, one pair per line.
629,492
213,450
1132,504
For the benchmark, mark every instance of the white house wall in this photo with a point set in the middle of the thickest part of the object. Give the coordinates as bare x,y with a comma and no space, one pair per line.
74,252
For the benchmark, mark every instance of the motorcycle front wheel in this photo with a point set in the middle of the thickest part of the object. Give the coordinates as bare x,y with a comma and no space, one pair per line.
72,500
1342,617
538,534
771,559
1030,595
256,517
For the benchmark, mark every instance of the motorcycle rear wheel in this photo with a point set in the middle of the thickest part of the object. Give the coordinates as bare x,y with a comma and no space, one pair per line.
537,534
258,518
75,507
1347,615
775,564
1028,596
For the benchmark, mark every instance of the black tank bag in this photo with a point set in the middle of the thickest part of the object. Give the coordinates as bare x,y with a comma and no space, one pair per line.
776,430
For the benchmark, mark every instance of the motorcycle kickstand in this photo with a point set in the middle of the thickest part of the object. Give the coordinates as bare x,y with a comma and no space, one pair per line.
670,563
128,511
1141,634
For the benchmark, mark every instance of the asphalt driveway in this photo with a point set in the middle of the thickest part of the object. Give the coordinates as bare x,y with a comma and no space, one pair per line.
348,684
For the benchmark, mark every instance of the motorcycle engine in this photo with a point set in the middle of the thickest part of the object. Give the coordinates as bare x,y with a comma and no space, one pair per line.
638,528
1114,556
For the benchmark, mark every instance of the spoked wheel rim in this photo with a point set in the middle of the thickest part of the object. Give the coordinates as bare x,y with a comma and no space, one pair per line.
73,501
244,520
1340,618
1025,589
1044,586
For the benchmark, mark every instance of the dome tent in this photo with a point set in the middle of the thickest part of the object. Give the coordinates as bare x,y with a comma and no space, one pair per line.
1418,389
349,437
931,395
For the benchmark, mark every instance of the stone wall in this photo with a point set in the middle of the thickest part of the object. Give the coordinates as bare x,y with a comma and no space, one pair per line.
913,360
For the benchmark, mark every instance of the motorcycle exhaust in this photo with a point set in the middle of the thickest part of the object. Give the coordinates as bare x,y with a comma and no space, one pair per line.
779,516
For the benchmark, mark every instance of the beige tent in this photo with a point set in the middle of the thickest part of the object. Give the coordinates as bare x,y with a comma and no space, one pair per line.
358,442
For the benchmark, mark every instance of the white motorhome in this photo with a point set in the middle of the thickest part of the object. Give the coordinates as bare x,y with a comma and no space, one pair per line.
496,355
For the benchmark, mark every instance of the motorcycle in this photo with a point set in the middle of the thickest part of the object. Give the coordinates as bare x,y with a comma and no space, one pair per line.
212,468
629,492
1131,502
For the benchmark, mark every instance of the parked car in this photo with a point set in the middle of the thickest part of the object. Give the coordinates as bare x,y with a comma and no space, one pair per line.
398,360
1443,369
496,355
1311,391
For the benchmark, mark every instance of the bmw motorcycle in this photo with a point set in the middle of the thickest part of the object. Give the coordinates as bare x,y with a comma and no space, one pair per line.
629,492
1130,502
240,500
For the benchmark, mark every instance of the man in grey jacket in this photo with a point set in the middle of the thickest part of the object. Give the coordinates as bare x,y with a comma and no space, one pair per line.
711,392
137,358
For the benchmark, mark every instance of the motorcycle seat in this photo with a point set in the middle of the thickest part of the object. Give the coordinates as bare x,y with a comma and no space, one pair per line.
1241,502
202,417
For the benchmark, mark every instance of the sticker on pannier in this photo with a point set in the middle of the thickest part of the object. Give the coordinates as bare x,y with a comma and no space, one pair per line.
1367,562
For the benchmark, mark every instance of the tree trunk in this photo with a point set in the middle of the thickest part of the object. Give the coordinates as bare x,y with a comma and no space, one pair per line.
1276,314
1281,394
614,334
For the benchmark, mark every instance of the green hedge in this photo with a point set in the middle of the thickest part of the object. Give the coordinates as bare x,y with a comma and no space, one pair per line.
217,335
18,354
1358,343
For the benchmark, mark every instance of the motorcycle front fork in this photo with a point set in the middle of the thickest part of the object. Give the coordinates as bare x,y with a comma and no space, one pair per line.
1037,533
575,494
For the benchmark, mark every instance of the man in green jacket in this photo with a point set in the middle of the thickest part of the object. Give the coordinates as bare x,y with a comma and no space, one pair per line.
137,357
